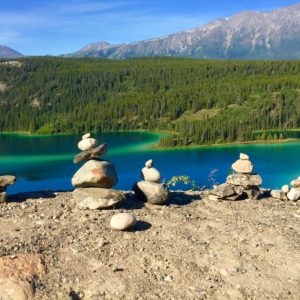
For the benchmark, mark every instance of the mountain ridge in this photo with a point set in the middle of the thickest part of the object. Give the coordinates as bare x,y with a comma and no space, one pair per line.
7,52
246,35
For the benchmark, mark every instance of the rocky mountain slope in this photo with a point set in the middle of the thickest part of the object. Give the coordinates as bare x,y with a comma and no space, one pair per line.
247,35
6,52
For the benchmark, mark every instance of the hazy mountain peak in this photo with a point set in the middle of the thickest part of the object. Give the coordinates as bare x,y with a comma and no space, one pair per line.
246,35
6,52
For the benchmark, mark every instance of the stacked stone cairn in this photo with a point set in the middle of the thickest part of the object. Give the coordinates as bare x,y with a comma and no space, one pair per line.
287,193
5,181
243,183
149,189
94,180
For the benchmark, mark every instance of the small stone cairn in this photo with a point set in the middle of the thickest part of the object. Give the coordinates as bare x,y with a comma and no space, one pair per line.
150,189
94,180
287,193
5,181
241,184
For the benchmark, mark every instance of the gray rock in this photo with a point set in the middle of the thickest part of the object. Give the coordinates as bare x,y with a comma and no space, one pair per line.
7,180
93,153
96,174
223,190
86,136
242,166
2,197
279,194
97,198
149,173
252,192
122,221
238,189
244,180
154,193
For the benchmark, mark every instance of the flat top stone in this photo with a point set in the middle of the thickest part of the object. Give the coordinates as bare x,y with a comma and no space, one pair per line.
7,180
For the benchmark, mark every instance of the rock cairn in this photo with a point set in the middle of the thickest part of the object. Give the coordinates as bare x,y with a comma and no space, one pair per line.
150,189
5,181
287,193
241,184
94,180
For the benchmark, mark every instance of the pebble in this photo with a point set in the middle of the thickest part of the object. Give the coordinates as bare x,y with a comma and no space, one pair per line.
86,136
285,188
122,221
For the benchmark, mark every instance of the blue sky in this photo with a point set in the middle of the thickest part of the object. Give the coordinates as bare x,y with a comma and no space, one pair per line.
37,27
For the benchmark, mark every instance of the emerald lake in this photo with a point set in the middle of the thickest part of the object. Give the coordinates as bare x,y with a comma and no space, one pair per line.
46,162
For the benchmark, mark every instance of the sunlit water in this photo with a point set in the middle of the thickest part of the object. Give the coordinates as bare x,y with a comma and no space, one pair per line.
45,162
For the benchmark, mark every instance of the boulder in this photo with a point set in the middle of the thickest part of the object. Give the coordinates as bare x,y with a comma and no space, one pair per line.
242,166
96,174
279,194
93,153
223,190
122,221
97,198
244,156
294,194
154,193
244,180
7,180
87,144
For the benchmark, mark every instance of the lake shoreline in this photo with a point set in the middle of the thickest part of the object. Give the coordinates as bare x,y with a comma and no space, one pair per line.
161,133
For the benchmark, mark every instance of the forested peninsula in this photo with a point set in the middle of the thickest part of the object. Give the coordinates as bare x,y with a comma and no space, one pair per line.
198,101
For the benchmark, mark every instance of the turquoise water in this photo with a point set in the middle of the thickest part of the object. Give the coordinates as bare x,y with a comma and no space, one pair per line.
45,162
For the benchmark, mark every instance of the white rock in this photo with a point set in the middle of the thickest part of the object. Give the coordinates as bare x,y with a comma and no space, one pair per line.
87,144
244,156
242,166
295,183
294,194
86,136
149,164
122,221
150,175
285,188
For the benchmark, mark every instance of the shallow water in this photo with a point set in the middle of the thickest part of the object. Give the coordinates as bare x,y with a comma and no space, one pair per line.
45,162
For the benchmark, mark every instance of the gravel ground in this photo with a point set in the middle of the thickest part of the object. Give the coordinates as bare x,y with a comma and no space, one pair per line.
191,248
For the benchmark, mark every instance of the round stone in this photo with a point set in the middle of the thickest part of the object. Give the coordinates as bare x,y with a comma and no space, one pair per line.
87,144
294,194
242,166
86,136
122,221
285,188
150,174
244,156
295,183
96,174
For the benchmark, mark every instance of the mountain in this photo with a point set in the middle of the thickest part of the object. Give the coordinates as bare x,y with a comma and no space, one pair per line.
6,52
247,35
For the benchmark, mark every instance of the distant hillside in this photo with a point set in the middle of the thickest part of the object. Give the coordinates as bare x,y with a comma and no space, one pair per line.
6,52
201,101
247,35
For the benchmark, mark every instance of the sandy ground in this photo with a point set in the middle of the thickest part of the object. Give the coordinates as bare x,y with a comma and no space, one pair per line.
192,248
